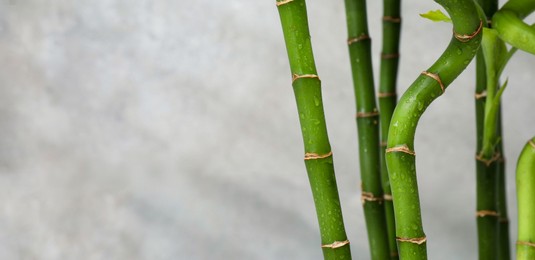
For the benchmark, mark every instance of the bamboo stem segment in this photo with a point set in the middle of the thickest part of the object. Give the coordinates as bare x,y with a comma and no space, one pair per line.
359,44
401,165
318,156
387,102
525,183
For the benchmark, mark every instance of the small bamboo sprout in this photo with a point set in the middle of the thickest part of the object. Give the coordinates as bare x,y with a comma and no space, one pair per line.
400,155
318,155
368,129
525,184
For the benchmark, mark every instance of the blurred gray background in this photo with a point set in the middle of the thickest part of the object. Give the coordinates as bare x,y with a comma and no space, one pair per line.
168,130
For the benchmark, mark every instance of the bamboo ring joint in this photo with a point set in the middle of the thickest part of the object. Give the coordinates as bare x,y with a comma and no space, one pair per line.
367,114
435,77
392,19
310,76
401,148
382,144
386,94
531,143
336,244
524,243
480,95
486,213
368,196
362,37
488,162
416,240
386,56
284,2
387,197
468,37
315,156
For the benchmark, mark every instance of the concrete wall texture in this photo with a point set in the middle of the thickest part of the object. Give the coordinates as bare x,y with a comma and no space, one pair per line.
168,130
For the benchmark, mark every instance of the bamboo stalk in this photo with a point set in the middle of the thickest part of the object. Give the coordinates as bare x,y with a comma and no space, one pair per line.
525,184
508,22
368,130
400,153
504,250
318,155
486,250
387,102
486,160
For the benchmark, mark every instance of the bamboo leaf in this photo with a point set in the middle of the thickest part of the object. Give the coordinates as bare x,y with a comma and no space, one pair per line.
436,16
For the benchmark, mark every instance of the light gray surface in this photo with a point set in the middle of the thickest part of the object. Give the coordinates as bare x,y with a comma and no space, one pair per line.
168,130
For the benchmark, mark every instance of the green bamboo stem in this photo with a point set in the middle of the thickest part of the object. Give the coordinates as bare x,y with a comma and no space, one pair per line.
487,158
400,154
525,184
504,250
368,129
508,22
318,155
387,103
489,7
485,177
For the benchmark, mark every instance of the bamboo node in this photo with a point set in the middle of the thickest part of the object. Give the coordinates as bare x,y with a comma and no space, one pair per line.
480,95
383,144
336,244
284,2
362,37
416,240
489,161
303,76
392,19
315,156
387,197
368,196
386,94
367,114
401,148
525,243
486,213
468,37
501,159
435,77
531,143
386,56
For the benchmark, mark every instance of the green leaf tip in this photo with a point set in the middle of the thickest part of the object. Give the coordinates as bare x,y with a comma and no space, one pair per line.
436,16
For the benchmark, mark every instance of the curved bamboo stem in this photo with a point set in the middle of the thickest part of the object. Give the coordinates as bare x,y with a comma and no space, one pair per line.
508,22
525,184
318,155
400,153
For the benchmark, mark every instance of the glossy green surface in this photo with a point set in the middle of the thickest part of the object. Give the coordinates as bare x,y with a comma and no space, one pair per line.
387,103
508,22
308,97
368,127
401,166
525,191
490,180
